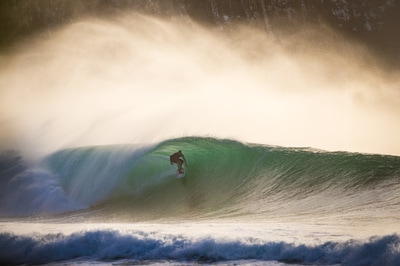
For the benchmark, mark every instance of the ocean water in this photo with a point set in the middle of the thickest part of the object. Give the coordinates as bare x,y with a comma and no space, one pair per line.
239,204
287,113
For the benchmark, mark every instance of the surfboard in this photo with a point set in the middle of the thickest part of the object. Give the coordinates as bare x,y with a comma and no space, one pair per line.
180,175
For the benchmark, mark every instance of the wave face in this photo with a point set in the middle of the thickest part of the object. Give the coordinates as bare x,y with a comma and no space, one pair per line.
224,178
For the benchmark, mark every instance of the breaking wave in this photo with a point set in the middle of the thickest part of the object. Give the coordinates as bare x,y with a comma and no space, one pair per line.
129,247
224,178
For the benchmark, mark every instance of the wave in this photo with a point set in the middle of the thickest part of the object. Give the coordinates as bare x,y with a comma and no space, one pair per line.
130,247
224,178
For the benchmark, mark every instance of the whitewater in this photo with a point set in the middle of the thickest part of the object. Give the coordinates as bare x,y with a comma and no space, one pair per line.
289,126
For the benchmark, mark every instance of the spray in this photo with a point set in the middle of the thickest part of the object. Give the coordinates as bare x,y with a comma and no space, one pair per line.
143,79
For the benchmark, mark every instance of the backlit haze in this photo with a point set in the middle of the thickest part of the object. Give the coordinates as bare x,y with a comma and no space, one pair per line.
140,79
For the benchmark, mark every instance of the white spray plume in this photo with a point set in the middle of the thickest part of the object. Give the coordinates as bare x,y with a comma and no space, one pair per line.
143,79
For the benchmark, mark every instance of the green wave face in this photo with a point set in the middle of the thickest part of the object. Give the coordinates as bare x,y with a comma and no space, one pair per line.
224,178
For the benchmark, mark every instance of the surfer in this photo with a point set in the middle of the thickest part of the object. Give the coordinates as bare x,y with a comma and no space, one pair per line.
176,158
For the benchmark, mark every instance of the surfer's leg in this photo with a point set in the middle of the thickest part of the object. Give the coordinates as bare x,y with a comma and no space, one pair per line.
180,166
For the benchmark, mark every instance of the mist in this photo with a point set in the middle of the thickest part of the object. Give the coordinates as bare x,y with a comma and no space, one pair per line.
143,79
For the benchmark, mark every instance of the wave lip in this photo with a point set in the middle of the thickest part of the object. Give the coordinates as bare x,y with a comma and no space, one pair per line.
106,245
